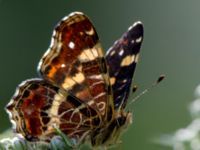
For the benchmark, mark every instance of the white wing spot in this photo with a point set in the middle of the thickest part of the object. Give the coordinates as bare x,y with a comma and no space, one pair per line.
62,65
71,45
124,81
99,76
138,40
112,53
121,52
132,41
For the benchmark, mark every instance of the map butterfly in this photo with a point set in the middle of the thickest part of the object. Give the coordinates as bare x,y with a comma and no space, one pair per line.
81,91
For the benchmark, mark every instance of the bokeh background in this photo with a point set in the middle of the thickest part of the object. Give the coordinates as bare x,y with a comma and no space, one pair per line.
171,46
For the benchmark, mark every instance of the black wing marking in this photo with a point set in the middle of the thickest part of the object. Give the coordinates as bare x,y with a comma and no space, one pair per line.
121,59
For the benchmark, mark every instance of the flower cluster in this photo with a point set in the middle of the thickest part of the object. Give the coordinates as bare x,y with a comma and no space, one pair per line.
188,138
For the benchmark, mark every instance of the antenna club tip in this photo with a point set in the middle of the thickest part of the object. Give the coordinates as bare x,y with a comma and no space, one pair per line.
160,78
134,89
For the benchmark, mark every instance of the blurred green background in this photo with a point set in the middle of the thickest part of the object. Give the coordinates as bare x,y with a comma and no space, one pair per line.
171,46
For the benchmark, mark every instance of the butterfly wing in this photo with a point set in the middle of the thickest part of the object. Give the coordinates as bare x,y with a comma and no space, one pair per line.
37,107
122,58
74,93
75,62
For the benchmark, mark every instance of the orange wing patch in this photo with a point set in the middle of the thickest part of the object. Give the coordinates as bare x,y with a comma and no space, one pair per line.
74,62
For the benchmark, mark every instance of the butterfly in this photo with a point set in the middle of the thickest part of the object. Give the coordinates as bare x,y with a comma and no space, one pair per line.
81,90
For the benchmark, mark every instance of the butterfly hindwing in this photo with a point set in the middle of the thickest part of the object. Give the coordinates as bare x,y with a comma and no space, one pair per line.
39,107
122,58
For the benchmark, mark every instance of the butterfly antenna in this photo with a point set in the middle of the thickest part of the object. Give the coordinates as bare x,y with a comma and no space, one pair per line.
159,79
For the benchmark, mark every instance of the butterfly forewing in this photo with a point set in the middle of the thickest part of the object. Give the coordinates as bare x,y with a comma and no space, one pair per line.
122,58
75,62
